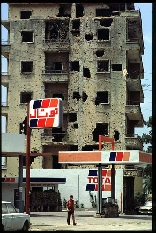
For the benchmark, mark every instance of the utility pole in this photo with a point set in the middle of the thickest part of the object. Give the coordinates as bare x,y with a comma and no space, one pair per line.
20,184
28,164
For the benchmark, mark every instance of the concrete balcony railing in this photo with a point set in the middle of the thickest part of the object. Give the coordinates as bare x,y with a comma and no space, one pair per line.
49,75
133,142
134,84
4,108
55,45
5,49
133,112
5,78
48,136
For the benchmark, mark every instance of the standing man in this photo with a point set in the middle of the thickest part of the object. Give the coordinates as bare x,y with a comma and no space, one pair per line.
70,209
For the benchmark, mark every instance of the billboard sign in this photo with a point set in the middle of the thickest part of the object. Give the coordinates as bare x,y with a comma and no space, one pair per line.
46,113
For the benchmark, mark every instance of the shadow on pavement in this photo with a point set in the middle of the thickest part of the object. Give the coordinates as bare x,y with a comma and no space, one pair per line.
46,215
144,217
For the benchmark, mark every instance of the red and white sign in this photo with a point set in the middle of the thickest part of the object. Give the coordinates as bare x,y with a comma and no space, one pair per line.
46,113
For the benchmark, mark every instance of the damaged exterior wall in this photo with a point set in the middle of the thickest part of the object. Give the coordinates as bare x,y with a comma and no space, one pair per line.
121,113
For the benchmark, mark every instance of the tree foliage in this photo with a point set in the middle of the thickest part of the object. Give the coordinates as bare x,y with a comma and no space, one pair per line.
147,138
147,172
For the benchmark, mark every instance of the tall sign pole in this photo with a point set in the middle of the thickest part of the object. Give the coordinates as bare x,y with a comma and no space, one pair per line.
28,164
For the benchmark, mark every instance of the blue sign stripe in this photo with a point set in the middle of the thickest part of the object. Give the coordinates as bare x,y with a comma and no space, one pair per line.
37,104
112,156
92,173
90,187
33,123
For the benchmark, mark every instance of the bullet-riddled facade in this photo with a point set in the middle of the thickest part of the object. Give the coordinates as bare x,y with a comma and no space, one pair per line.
88,54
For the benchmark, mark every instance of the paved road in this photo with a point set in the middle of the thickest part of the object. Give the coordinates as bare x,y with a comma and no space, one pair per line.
86,220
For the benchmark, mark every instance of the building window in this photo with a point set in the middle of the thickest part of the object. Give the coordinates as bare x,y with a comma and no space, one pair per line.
74,66
25,14
116,67
103,66
103,34
25,97
101,129
101,97
27,36
26,66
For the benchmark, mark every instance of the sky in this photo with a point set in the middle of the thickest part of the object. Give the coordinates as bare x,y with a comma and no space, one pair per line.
146,107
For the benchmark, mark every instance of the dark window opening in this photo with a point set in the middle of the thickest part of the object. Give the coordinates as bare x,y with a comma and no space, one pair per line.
26,66
90,147
103,34
73,148
58,95
25,97
56,164
57,66
99,53
103,12
134,70
89,37
21,131
116,67
76,95
27,36
25,14
101,129
86,72
58,134
106,22
56,30
31,160
103,66
72,117
79,10
75,126
102,97
64,11
84,96
76,24
74,66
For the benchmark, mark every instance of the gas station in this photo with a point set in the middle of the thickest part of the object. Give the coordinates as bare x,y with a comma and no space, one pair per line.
99,158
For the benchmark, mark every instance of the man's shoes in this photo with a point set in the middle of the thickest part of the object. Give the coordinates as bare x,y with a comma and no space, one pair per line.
74,223
68,223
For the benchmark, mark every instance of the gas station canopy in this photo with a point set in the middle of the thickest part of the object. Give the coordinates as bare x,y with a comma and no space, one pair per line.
126,157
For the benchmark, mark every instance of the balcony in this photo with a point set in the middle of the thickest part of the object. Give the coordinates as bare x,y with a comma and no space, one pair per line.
5,49
5,78
55,45
4,109
134,84
132,142
53,76
133,112
54,136
6,24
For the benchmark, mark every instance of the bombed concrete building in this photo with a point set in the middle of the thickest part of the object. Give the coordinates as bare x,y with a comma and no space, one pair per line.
88,54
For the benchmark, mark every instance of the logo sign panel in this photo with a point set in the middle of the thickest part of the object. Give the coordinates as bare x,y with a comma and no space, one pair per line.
92,184
46,113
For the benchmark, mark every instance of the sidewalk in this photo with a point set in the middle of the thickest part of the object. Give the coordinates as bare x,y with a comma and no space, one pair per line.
57,221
